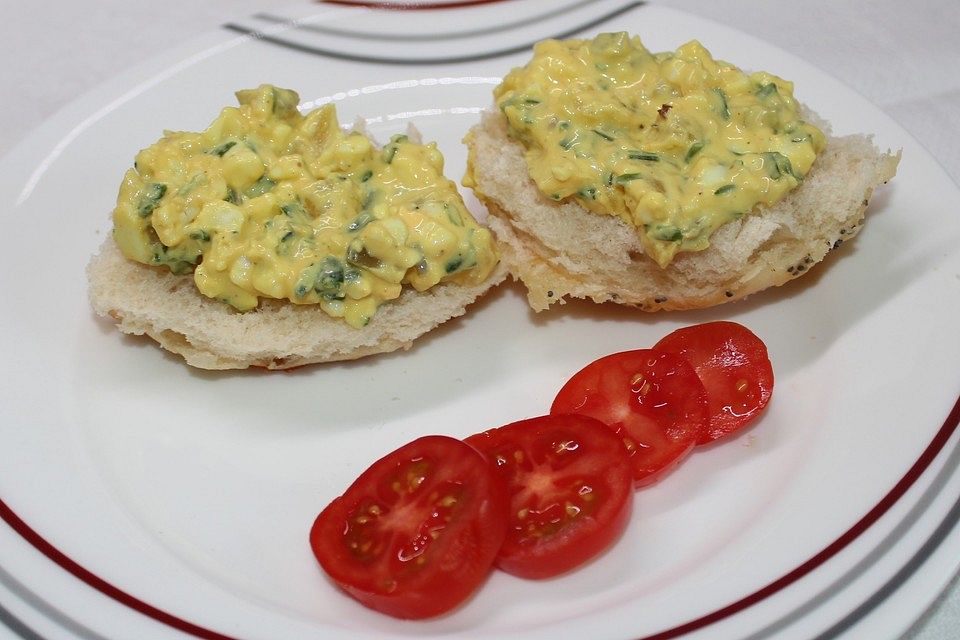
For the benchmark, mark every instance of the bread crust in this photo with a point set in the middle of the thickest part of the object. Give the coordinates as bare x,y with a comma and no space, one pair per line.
209,334
561,250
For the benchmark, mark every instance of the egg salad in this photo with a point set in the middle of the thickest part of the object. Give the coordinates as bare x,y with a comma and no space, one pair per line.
267,202
676,143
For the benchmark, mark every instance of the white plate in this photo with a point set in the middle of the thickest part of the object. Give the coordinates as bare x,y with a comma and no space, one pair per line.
145,499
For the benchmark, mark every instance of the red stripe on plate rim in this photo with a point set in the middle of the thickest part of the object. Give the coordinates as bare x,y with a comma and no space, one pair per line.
40,543
930,453
922,463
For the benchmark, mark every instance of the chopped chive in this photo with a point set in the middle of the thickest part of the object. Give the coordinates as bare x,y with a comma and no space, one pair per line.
453,215
531,101
221,149
200,235
454,264
627,177
260,187
291,209
727,188
778,165
588,192
694,149
605,136
724,107
366,175
390,150
151,197
360,221
566,143
766,90
668,233
649,156
232,196
329,278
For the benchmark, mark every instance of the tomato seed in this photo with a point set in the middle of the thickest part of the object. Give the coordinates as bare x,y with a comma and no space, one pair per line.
448,501
639,384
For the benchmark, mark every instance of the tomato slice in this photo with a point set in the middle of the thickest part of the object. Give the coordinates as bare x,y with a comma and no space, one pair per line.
571,491
417,532
734,366
654,401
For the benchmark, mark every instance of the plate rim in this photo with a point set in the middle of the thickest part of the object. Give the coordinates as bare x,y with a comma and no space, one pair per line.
932,451
919,467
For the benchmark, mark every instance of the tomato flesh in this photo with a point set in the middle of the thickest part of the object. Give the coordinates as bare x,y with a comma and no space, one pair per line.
654,401
417,532
735,369
570,483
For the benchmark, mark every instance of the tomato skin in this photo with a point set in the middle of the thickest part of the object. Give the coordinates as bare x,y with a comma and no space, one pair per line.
570,482
735,368
416,533
653,400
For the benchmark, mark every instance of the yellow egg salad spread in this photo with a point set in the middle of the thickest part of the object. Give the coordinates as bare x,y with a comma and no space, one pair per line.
675,143
271,203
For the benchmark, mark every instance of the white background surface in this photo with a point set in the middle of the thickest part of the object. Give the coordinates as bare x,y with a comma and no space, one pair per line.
904,57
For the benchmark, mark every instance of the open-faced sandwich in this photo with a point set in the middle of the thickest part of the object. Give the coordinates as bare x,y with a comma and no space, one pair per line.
661,180
276,239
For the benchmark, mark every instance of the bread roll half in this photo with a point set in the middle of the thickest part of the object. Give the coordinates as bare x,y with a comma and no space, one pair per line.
209,334
560,250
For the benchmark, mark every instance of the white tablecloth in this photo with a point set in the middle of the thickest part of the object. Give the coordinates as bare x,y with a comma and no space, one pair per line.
904,57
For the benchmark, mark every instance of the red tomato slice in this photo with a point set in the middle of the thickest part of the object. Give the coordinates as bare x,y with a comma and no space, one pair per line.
571,491
654,401
417,532
734,366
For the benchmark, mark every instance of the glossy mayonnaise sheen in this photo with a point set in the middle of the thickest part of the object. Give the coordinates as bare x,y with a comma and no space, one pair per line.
267,202
676,143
